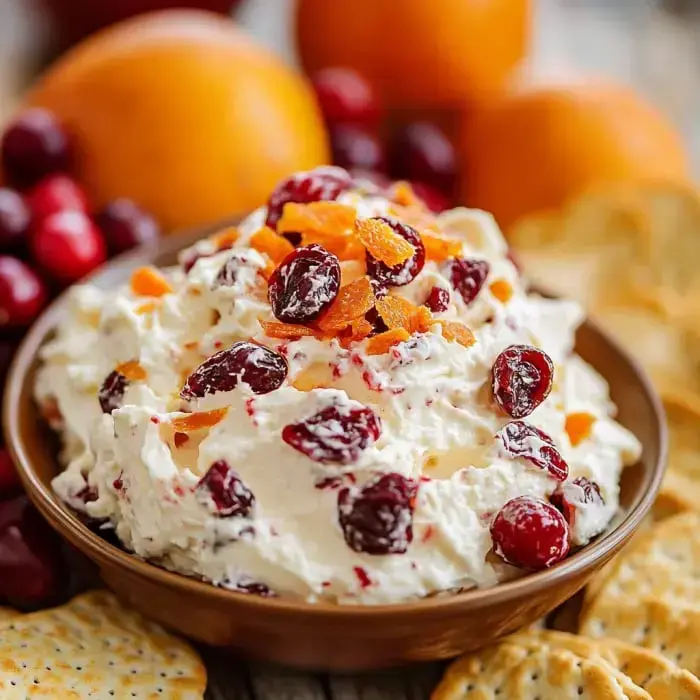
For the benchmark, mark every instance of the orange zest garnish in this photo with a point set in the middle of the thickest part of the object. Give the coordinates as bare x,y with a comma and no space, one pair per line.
146,308
383,342
198,421
502,290
439,247
273,329
578,426
382,242
132,370
354,300
330,219
148,282
457,332
224,239
276,247
398,312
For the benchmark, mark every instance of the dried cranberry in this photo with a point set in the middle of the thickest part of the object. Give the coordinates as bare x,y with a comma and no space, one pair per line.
524,440
570,497
530,533
336,434
407,271
112,391
253,588
438,300
467,276
230,496
228,274
522,379
321,184
376,321
305,284
378,517
261,368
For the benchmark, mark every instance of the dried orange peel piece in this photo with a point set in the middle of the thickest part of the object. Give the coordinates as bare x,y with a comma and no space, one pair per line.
149,282
383,342
267,241
398,312
354,300
132,370
440,248
198,421
225,238
502,290
452,331
331,219
274,329
382,242
402,193
578,426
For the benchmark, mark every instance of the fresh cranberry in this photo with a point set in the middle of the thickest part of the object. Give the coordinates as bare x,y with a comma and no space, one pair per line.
261,368
54,194
30,573
125,225
405,272
22,293
336,434
353,147
9,479
434,200
230,496
253,588
521,439
572,496
467,276
33,146
522,379
530,533
7,352
304,285
112,392
68,245
15,220
438,300
321,184
422,152
377,518
345,97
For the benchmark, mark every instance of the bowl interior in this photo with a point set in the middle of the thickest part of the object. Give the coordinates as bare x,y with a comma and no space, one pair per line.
35,449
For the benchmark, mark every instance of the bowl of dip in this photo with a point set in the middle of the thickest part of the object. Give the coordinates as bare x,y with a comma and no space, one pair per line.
373,448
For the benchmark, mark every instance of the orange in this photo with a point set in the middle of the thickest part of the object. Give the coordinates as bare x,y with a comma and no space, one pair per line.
417,53
536,148
182,112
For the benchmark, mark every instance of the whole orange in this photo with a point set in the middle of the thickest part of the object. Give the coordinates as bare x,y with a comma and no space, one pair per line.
182,112
417,53
537,147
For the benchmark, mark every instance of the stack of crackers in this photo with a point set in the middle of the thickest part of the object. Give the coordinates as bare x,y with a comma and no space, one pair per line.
94,648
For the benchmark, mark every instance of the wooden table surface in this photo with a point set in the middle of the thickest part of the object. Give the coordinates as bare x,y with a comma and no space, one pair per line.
652,44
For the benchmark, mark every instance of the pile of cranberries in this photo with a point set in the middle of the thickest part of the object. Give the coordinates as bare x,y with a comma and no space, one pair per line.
418,152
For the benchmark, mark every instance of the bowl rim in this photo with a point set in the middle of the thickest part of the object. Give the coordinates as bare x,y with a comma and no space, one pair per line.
70,526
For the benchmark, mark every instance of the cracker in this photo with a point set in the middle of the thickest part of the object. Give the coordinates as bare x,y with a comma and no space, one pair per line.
670,630
93,647
519,673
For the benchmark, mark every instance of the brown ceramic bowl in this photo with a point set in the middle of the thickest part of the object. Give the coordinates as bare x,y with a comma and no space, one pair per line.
325,636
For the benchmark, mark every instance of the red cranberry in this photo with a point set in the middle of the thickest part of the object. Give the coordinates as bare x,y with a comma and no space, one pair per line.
261,368
467,276
34,145
407,271
253,588
22,293
322,184
112,392
7,352
377,322
345,97
228,274
30,573
530,533
125,225
378,517
9,479
336,434
54,194
438,300
14,221
521,439
434,200
68,245
304,285
522,379
353,147
230,496
580,493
